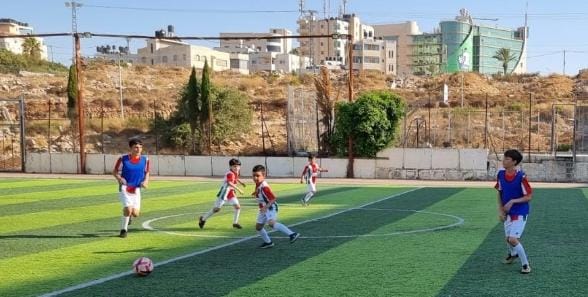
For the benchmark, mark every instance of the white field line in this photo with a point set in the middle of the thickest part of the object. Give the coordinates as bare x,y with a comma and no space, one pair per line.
234,242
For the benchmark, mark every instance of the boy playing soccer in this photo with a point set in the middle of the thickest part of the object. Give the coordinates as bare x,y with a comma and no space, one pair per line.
133,176
514,194
309,174
227,195
268,209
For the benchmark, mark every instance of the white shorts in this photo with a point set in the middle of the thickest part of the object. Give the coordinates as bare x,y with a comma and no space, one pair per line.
220,202
515,228
311,187
264,217
131,200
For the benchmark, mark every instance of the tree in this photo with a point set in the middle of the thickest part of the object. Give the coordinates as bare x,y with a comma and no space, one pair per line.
504,55
232,114
72,93
205,104
371,121
326,105
31,48
189,108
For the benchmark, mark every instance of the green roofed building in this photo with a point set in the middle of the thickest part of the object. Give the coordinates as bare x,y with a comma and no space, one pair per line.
463,45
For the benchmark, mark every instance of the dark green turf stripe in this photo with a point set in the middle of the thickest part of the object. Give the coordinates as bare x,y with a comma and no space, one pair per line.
209,275
70,202
555,240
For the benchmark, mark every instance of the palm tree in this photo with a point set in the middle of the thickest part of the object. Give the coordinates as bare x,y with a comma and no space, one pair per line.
31,48
504,55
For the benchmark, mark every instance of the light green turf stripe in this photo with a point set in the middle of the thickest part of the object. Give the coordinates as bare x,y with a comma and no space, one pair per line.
26,183
44,219
100,189
406,265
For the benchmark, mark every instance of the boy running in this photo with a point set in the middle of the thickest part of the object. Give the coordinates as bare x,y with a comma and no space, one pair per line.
309,174
268,209
226,194
133,176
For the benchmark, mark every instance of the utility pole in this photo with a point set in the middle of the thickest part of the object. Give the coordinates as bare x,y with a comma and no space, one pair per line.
120,87
350,173
74,21
81,122
51,52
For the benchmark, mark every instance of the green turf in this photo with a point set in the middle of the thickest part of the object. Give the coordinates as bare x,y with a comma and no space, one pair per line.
67,234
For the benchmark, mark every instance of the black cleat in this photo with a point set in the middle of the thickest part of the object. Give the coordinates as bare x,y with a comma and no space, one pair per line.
123,233
526,269
510,259
294,236
201,222
237,226
266,245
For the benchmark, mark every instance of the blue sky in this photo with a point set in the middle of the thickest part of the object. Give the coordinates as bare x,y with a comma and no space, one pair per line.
554,25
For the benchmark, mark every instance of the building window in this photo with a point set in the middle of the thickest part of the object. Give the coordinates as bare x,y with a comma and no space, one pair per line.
197,58
184,57
144,60
151,48
221,63
164,59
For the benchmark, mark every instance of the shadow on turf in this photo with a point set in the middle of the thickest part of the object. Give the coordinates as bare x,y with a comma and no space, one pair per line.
85,235
150,249
206,274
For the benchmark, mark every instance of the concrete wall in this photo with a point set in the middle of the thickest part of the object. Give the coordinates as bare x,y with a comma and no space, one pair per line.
437,164
396,163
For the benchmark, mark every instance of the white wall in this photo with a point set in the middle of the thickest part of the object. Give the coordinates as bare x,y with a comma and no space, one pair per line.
397,163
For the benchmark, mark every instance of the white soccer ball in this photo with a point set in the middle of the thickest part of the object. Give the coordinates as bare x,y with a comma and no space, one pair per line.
143,266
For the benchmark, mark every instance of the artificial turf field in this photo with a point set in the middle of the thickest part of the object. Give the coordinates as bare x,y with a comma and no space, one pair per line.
356,241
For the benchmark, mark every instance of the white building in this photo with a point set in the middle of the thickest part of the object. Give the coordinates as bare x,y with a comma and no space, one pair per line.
277,45
403,35
178,53
12,27
276,62
378,55
323,51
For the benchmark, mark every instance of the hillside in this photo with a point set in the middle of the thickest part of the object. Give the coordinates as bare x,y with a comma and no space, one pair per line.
154,89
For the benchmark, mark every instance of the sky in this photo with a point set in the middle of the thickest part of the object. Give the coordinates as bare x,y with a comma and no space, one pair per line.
554,26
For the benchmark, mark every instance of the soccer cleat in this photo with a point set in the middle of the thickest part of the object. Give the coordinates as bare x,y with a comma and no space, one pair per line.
294,236
302,201
526,269
201,222
510,259
266,245
123,233
237,226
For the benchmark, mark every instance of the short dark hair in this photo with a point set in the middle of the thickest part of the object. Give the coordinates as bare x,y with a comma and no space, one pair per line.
234,162
514,155
135,141
311,156
259,168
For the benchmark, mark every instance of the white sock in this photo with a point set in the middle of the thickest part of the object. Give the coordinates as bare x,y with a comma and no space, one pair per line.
282,228
264,235
521,252
207,215
511,250
308,196
125,223
236,216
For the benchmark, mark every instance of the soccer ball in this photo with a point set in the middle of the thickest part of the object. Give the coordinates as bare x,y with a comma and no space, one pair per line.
143,266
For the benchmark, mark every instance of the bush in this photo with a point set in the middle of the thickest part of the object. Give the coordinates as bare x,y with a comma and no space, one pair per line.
13,63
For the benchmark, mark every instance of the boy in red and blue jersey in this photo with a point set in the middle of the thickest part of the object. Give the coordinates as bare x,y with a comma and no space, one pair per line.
268,209
514,194
132,173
